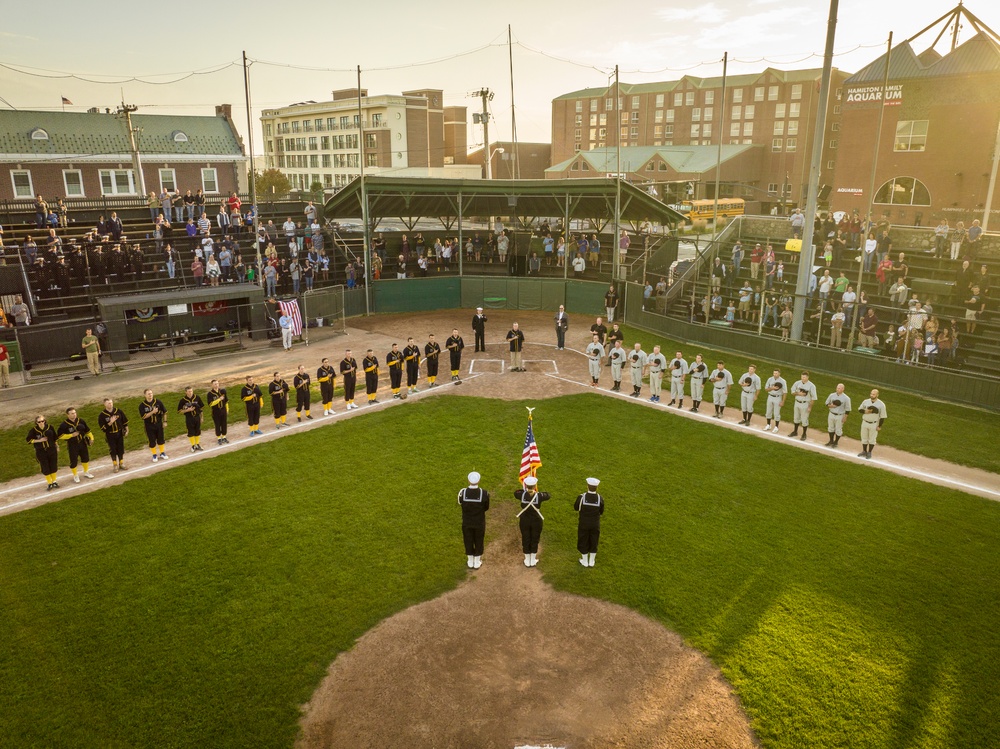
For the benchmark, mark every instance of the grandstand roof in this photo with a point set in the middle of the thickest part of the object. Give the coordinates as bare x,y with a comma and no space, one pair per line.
390,197
682,159
95,134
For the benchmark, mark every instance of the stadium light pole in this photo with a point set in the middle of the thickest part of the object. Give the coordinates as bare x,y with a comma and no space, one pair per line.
807,253
253,172
365,251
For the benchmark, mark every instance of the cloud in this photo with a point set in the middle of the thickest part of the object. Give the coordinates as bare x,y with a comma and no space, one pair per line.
708,13
10,35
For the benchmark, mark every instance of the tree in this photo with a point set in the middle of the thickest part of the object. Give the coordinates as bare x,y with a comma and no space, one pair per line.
316,190
272,178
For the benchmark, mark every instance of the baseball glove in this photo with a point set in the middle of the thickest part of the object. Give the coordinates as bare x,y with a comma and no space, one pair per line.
835,402
871,410
702,367
403,394
747,381
677,365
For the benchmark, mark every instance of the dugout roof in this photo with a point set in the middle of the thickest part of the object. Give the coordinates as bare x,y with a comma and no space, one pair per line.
409,199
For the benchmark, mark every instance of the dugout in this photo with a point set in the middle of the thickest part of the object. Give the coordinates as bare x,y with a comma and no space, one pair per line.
197,317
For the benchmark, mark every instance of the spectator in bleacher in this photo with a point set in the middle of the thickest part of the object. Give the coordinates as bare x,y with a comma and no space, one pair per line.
98,263
941,238
168,230
899,293
115,228
192,233
446,252
171,260
945,342
798,222
825,286
982,280
718,274
207,247
212,271
882,274
884,244
204,225
41,212
359,272
197,271
840,286
847,299
317,235
771,309
295,271
166,204
239,269
973,240
560,251
289,228
828,253
746,299
30,250
62,213
19,313
199,202
271,279
309,274
225,262
310,213
871,245
854,231
737,256
839,243
974,307
958,237
900,268
222,217
153,205
868,328
235,222
323,266
503,245
623,244
77,262
235,205
964,278
189,206
378,244
837,321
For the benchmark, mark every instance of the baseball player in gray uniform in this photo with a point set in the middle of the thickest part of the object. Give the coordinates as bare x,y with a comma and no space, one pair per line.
637,358
750,385
617,358
873,416
698,373
721,380
595,356
777,390
805,395
839,404
678,369
656,362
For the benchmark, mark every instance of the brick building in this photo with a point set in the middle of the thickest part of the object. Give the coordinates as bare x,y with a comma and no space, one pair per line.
527,161
81,155
409,134
940,132
774,111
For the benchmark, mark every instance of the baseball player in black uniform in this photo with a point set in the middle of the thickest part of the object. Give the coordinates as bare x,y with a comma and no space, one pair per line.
349,374
590,506
394,360
278,389
218,401
615,334
154,419
303,397
191,406
432,352
370,366
474,503
411,355
530,518
78,438
479,328
43,437
253,399
455,344
326,376
114,423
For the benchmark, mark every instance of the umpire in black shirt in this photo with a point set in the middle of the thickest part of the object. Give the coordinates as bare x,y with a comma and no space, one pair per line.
474,502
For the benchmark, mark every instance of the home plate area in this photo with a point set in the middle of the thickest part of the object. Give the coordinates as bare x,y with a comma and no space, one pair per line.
545,366
486,365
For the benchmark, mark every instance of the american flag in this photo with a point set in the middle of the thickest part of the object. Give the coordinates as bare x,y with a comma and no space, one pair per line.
291,309
530,460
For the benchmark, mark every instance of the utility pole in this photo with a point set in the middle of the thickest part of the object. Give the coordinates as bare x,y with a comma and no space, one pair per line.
484,118
126,110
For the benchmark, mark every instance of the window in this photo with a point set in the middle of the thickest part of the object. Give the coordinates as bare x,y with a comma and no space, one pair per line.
371,140
327,181
267,129
737,112
73,182
734,129
635,102
585,167
903,191
593,105
281,162
670,115
168,180
835,126
836,109
779,111
668,129
314,161
117,182
326,161
772,188
579,120
779,127
678,99
689,98
593,120
609,104
659,101
210,180
658,131
593,133
668,142
794,109
296,126
307,126
758,93
300,144
324,143
662,166
696,114
38,133
793,127
603,119
579,108
708,114
709,97
830,165
313,143
834,143
178,137
737,96
624,133
776,144
357,120
772,93
747,128
658,116
696,131
911,135
706,132
577,147
635,118
602,132
345,122
377,120
371,159
791,144
650,167
331,123
634,132
318,123
21,179
624,118
577,134
749,111
796,91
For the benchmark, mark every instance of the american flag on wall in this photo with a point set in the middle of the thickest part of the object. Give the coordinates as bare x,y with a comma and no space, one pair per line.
291,309
530,460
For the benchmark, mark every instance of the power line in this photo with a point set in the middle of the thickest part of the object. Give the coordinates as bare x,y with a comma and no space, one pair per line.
86,77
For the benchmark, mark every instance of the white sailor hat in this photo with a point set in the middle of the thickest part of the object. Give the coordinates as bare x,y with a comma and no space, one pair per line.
531,481
479,309
593,482
474,478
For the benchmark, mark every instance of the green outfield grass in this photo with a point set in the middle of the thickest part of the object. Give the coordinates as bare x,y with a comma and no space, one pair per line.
917,423
202,605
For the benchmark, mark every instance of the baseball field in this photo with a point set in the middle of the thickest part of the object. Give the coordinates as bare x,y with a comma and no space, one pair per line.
311,589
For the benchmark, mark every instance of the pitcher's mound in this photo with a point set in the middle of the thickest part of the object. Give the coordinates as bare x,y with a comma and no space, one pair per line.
504,660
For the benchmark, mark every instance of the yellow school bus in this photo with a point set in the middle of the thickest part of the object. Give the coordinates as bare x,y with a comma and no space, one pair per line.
704,210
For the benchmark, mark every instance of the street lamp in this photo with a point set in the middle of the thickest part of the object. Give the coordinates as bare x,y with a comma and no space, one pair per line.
489,159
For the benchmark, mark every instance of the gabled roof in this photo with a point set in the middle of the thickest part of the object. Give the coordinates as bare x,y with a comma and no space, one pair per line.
980,54
732,81
91,134
682,159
